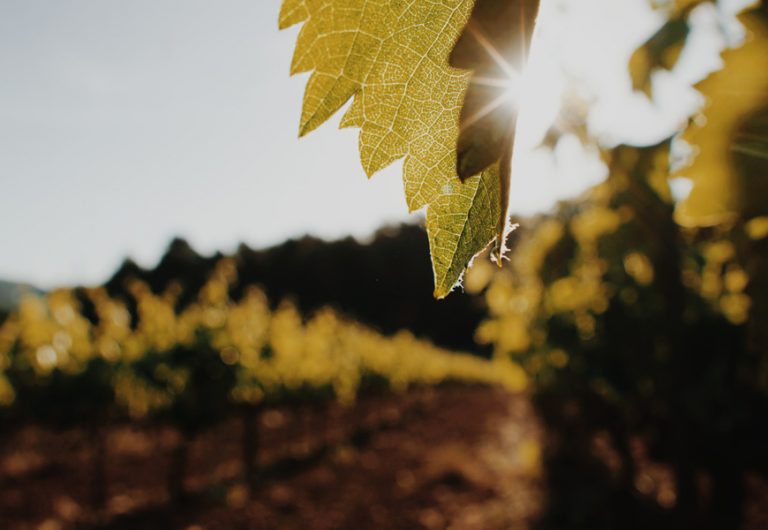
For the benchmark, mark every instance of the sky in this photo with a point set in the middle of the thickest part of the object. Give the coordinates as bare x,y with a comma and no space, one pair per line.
124,124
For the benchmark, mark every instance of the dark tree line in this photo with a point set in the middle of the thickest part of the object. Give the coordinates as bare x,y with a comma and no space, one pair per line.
386,283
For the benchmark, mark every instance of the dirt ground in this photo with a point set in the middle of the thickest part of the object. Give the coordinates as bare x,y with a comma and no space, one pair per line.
450,458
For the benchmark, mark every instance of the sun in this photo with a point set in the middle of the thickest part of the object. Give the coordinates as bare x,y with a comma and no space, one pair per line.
507,85
534,90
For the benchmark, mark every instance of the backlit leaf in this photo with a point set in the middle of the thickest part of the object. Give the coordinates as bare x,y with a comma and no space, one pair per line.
392,59
452,234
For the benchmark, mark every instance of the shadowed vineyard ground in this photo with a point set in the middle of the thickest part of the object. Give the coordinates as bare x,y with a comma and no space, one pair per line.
459,457
456,457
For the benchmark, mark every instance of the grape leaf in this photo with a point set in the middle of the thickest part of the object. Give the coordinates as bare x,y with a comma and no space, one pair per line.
730,171
391,59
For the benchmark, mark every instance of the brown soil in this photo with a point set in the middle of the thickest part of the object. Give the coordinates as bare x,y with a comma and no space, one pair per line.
448,458
459,458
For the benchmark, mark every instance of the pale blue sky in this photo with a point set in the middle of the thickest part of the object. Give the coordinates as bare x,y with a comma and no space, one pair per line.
124,123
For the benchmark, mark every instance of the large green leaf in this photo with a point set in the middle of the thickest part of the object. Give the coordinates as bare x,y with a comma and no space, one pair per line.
392,58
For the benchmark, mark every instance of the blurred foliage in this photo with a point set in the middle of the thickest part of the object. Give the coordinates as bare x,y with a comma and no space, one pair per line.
730,169
189,367
643,322
662,50
628,325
